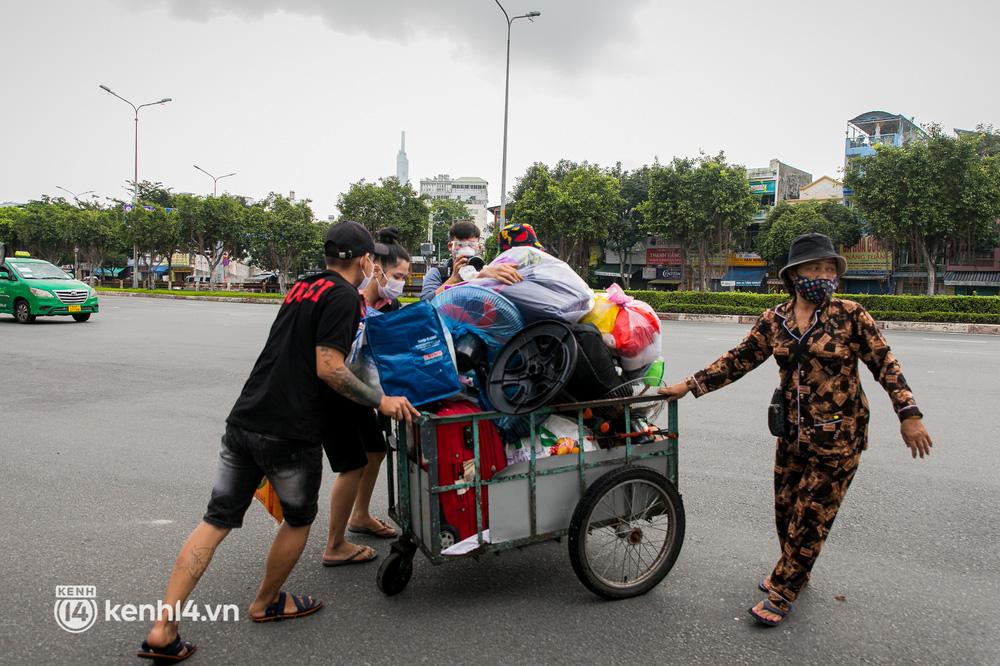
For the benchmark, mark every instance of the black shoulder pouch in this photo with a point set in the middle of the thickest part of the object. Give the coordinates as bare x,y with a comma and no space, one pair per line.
777,417
777,421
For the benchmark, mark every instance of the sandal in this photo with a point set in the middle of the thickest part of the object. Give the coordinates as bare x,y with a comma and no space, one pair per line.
765,585
353,559
386,531
276,611
176,652
769,607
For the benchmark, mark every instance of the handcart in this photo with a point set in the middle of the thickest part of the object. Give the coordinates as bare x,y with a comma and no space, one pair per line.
618,506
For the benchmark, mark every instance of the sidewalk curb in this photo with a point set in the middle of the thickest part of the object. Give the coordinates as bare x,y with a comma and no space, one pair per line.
921,326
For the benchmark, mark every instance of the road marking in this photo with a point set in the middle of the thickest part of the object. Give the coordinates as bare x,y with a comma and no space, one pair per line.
158,521
971,342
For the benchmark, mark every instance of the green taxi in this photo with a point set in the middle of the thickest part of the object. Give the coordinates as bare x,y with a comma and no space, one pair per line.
32,288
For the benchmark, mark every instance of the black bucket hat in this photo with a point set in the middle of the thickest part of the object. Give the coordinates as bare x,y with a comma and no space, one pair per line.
811,247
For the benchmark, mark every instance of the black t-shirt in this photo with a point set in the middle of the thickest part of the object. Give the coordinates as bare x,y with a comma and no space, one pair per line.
283,396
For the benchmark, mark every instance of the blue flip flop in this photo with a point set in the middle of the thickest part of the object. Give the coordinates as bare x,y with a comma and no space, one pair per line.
770,608
276,611
168,653
763,586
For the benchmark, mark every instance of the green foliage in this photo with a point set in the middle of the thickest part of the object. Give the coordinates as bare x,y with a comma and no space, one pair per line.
570,206
973,309
154,194
444,213
387,204
212,226
786,221
155,232
281,235
937,194
111,291
704,204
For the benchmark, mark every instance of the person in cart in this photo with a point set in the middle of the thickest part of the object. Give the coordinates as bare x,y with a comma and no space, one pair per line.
382,295
296,398
820,412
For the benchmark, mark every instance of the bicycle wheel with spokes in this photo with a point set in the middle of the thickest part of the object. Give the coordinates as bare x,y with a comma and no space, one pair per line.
626,532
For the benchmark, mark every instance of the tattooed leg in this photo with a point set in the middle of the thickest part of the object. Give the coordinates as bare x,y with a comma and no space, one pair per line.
192,561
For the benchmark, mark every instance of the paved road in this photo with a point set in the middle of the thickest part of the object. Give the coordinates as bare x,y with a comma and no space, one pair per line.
107,453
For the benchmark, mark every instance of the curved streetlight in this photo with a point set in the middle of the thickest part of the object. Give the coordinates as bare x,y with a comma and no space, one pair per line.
135,181
76,197
215,179
506,99
76,248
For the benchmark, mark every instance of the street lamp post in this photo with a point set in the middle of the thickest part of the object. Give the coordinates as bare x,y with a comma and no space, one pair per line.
135,182
506,100
215,179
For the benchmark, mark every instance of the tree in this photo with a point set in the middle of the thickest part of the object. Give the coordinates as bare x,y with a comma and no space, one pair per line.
212,227
572,212
38,225
281,234
937,194
786,221
156,234
96,232
626,231
444,213
702,203
387,204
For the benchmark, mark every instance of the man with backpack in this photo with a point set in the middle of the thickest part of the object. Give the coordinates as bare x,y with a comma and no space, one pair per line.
464,244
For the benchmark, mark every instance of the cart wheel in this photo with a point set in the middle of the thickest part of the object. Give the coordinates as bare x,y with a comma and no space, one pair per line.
626,532
449,536
395,570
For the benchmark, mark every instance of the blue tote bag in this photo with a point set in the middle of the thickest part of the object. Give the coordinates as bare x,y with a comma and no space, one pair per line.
412,355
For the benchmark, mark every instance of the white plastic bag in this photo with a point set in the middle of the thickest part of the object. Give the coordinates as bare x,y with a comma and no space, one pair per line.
554,434
550,289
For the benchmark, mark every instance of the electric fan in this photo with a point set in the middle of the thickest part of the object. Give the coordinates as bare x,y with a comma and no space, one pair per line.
481,312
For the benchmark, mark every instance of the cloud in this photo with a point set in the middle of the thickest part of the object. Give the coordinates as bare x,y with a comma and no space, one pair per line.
570,34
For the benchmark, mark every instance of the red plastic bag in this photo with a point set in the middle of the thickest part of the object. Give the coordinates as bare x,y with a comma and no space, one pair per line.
636,328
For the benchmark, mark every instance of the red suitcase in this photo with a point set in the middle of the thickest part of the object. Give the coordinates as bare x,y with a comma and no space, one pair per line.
454,448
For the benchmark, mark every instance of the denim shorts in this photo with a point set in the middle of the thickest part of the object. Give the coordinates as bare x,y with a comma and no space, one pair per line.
294,468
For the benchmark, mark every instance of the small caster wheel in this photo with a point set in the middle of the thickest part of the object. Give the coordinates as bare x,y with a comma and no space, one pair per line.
449,536
394,573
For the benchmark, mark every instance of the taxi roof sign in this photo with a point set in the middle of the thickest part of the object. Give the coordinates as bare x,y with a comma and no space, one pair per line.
22,253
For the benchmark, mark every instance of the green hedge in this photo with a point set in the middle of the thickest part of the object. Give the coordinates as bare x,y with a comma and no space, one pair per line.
221,293
959,309
666,301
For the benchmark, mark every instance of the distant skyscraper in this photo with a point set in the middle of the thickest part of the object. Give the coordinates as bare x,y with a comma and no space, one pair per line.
402,164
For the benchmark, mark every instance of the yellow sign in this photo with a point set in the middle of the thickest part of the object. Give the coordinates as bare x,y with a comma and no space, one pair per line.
737,259
868,256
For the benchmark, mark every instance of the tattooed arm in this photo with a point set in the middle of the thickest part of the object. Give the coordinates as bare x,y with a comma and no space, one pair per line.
331,369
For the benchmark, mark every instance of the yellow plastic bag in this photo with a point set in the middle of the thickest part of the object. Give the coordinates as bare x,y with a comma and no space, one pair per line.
603,315
269,498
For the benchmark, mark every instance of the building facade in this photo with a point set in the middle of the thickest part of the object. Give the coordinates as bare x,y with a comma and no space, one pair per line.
467,189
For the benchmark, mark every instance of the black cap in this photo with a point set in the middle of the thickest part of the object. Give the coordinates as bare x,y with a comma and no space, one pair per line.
812,247
349,240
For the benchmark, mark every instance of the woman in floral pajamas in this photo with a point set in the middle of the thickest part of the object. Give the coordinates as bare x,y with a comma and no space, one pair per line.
826,424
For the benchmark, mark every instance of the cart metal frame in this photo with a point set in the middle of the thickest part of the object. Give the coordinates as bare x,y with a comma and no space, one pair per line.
407,450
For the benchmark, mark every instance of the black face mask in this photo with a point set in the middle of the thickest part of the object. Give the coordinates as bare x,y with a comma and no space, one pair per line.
815,291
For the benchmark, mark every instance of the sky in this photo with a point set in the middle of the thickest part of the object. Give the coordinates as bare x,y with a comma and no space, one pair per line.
311,95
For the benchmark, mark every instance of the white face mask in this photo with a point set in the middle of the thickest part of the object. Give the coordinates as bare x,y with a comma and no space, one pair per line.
392,290
366,278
